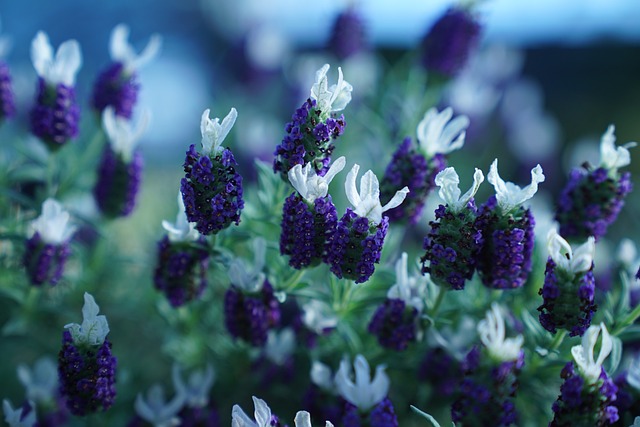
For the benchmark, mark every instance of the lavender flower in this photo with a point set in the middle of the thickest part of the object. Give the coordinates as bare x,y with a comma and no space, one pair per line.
120,169
450,42
593,198
348,35
628,395
47,250
117,85
395,322
262,416
453,243
86,367
357,242
587,393
321,398
569,286
24,416
308,217
486,392
250,307
7,99
508,232
313,126
42,392
55,116
156,411
416,168
212,188
441,371
183,259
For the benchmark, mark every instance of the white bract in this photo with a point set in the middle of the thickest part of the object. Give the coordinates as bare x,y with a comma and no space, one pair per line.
119,130
438,135
262,415
318,316
411,290
41,382
636,422
94,328
155,410
509,195
633,373
366,203
53,224
577,261
330,99
62,68
583,354
121,51
213,132
448,181
280,345
309,185
14,417
303,419
363,393
195,392
182,230
612,157
492,334
247,278
322,376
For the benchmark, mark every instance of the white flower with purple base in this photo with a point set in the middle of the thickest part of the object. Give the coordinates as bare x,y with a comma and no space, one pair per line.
438,134
40,382
53,225
612,157
309,184
364,392
330,98
213,132
411,290
123,52
94,328
510,196
182,230
578,261
249,279
195,391
17,417
262,415
492,334
591,368
59,69
122,136
449,192
156,410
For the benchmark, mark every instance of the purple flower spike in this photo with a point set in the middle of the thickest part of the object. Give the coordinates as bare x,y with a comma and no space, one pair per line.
7,99
348,35
450,42
86,366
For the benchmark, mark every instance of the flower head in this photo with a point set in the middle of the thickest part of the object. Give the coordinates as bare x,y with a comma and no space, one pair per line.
119,130
121,51
53,223
94,328
62,68
583,354
330,98
195,392
448,182
214,132
578,261
492,334
409,289
363,393
438,134
612,157
155,410
41,382
182,230
309,184
366,203
509,195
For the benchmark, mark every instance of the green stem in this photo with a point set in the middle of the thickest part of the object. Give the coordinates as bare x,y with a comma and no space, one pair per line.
293,281
50,172
557,340
436,305
627,321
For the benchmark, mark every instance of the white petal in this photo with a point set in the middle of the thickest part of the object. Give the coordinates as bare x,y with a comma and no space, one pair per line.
321,375
380,386
303,419
335,168
67,63
119,47
350,186
449,182
262,412
240,419
149,52
298,176
41,54
509,195
607,345
395,201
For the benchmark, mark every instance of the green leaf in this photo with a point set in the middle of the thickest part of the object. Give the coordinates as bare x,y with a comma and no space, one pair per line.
427,416
616,354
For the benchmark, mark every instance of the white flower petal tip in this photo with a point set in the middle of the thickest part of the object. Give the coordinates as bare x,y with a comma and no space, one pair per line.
94,328
41,382
280,345
16,417
250,279
411,290
633,373
54,223
438,135
303,419
121,133
330,99
448,181
182,230
121,51
195,392
363,393
59,69
492,334
612,157
214,132
155,410
308,184
577,261
583,354
366,203
509,195
322,376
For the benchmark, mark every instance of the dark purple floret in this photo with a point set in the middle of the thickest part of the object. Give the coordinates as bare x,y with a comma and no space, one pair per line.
441,371
117,88
322,405
450,42
568,300
581,404
505,258
410,168
381,415
348,35
591,202
211,190
7,99
181,270
307,140
55,115
355,247
87,376
250,316
395,324
306,228
44,262
452,246
118,183
627,398
199,417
